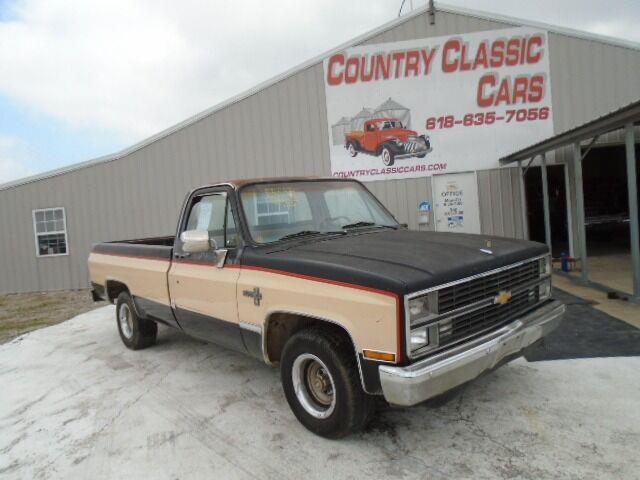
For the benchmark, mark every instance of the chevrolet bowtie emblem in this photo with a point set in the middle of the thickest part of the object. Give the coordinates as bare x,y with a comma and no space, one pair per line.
502,297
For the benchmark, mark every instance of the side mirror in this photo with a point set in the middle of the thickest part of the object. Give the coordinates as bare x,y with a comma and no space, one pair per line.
196,241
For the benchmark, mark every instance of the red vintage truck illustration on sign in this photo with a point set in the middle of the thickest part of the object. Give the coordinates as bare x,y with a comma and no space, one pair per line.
389,139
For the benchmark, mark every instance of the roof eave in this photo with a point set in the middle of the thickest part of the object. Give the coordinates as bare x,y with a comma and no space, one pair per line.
606,123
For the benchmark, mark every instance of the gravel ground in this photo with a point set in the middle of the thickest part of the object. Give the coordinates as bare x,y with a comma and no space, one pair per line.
76,403
23,312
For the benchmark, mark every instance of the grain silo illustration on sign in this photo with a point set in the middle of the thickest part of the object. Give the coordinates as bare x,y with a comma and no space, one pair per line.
340,129
392,109
357,122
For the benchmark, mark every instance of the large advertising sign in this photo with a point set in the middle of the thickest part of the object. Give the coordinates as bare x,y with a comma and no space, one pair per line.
437,105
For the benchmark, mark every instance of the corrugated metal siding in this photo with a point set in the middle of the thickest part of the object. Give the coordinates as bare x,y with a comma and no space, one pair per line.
281,130
500,202
403,196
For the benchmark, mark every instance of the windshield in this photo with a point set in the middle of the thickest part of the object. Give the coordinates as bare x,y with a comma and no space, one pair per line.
391,124
277,211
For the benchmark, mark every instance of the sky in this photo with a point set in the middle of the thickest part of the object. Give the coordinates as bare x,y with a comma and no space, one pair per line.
84,78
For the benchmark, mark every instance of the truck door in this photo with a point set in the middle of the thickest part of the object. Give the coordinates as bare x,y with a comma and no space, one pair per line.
202,289
370,139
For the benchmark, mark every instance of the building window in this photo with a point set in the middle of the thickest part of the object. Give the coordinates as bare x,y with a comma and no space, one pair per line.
274,207
50,228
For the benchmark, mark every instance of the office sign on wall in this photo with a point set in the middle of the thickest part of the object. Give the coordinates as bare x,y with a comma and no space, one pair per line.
437,105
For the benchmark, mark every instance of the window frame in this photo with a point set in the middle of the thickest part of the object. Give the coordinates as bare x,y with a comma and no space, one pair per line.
36,235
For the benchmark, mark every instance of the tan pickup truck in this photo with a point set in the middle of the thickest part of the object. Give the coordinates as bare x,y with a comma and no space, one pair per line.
316,276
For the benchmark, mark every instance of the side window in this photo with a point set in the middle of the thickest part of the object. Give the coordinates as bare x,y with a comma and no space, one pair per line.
209,213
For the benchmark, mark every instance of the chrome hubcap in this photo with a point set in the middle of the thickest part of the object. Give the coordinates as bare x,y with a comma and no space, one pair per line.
126,322
314,386
386,157
352,150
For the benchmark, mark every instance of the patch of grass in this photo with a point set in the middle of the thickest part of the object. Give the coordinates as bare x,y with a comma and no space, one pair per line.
23,312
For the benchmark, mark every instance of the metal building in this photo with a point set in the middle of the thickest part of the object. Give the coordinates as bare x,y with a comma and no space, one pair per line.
50,221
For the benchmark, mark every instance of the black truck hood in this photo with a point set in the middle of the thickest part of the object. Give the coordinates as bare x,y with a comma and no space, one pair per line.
399,261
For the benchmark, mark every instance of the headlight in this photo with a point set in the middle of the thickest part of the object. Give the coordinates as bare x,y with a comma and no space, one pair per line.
545,266
397,141
544,290
421,308
419,338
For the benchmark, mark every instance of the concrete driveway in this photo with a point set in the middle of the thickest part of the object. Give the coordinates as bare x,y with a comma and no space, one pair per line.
75,403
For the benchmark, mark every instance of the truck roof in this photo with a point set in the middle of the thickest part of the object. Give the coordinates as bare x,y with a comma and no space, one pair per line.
382,119
237,183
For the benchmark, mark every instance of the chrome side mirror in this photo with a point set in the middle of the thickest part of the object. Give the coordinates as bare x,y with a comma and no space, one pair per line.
196,241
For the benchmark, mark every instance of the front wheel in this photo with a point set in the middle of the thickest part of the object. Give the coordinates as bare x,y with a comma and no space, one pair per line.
135,332
322,385
351,148
387,156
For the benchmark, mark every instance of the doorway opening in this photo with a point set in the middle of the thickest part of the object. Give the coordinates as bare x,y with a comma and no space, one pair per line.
606,211
557,207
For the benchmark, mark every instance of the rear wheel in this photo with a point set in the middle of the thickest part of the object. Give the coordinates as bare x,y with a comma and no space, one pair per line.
387,156
135,332
322,385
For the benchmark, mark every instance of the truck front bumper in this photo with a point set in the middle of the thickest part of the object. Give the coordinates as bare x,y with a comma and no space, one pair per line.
435,375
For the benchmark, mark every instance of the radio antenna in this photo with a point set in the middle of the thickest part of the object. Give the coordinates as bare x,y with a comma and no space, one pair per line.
401,5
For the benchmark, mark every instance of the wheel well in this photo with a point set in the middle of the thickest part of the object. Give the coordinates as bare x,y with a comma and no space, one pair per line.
388,145
281,326
114,289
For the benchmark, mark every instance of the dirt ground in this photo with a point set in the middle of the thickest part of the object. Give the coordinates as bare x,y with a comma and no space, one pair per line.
23,312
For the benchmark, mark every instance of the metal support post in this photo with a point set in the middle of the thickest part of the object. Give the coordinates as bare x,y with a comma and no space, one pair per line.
545,201
632,188
582,236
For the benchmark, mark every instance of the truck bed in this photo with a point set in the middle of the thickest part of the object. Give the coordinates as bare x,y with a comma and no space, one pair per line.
140,264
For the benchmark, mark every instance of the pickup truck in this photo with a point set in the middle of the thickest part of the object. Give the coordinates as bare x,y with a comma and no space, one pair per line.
389,139
317,277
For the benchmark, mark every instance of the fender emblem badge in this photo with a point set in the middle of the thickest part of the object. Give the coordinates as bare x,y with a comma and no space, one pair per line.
255,294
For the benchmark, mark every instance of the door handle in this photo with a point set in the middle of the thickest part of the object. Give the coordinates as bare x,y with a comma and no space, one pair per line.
183,255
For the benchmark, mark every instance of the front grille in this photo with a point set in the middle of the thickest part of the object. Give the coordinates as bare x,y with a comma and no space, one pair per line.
481,288
492,315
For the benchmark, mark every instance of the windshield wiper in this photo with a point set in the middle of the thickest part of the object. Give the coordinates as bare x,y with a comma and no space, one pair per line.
367,224
301,233
358,224
307,233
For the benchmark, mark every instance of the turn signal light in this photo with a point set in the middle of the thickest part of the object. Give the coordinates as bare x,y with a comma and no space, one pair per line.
374,355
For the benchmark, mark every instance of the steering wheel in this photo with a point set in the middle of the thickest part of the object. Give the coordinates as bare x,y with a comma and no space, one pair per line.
331,221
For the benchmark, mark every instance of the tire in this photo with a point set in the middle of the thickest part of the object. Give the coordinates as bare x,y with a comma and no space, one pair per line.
351,149
387,156
348,409
135,332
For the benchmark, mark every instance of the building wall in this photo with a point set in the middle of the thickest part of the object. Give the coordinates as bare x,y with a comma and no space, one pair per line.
280,130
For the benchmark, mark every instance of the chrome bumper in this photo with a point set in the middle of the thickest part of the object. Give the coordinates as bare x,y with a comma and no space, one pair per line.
435,375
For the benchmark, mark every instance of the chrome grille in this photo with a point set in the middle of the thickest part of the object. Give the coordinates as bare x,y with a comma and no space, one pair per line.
473,306
462,294
490,317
